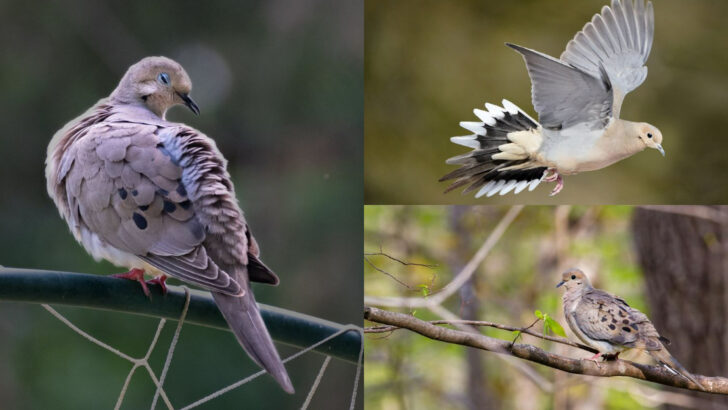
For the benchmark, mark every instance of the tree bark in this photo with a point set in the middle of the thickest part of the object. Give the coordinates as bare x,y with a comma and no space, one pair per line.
684,259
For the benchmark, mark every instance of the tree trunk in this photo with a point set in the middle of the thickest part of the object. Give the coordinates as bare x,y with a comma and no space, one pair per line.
684,259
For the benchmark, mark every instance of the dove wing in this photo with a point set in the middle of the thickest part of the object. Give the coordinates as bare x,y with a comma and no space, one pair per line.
607,318
564,95
617,41
162,194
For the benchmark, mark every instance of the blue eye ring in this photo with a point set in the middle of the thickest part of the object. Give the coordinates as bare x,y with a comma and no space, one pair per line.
163,78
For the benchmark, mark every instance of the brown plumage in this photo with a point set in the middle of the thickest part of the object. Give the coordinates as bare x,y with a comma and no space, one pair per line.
609,325
145,193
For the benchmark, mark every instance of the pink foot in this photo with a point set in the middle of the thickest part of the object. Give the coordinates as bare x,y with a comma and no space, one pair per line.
552,175
594,359
137,275
161,281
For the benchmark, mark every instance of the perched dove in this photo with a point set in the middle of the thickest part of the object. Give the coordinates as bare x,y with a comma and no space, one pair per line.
609,325
578,99
155,196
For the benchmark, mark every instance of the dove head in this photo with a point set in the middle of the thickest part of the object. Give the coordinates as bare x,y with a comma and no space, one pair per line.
157,83
650,136
574,280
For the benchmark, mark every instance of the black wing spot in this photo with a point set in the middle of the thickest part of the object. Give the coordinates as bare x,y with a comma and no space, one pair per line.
633,326
139,220
169,207
625,321
181,190
614,320
143,207
604,318
626,329
612,327
122,193
162,192
134,192
185,205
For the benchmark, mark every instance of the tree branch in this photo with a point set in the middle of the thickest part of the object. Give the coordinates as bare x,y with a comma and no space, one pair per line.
657,374
526,330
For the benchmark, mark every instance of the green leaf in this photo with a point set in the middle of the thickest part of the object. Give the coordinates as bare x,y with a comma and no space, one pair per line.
538,314
554,327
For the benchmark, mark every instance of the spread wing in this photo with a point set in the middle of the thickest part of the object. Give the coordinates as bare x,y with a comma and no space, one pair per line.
564,95
162,194
604,317
617,41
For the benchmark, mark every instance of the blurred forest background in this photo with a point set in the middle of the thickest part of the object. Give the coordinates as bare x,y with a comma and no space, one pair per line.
280,87
669,262
429,63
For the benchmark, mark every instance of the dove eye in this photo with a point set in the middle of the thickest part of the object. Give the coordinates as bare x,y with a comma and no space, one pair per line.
649,135
163,78
573,277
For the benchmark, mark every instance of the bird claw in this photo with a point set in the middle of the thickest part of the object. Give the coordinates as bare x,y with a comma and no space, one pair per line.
136,275
160,280
595,359
552,175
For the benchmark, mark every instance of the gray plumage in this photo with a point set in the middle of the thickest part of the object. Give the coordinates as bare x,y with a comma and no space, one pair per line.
578,99
150,194
609,325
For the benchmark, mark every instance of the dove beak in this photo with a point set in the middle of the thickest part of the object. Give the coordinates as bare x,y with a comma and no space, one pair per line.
659,148
189,103
560,283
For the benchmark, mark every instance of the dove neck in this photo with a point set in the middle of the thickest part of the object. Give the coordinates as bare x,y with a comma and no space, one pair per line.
629,133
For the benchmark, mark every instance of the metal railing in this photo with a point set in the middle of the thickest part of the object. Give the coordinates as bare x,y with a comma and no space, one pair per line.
107,293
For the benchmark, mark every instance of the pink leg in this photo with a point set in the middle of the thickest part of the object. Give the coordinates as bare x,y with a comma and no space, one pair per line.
161,281
594,359
559,185
134,274
552,175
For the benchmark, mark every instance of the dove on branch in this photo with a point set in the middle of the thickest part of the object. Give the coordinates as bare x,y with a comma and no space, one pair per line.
609,325
155,196
578,98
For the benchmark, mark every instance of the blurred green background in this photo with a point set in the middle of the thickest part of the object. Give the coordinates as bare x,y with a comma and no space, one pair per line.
405,370
429,63
279,84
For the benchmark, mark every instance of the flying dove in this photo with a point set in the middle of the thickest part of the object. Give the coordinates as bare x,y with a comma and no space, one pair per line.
155,196
609,325
578,99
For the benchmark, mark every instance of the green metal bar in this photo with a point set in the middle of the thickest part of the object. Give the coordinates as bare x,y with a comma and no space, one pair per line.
107,293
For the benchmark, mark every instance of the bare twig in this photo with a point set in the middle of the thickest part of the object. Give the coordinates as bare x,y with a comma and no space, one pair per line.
459,279
387,273
657,374
405,263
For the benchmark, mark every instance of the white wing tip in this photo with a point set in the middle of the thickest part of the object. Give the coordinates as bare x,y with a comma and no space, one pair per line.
494,110
466,141
510,107
474,127
484,116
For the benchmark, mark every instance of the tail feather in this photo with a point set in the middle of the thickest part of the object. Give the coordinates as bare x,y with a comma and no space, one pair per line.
479,169
664,357
243,317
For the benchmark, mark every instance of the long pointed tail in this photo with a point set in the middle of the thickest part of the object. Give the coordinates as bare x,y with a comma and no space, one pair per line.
496,164
664,357
244,318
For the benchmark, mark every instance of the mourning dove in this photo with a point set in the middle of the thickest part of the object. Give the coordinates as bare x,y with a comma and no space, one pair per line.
578,98
609,325
155,196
